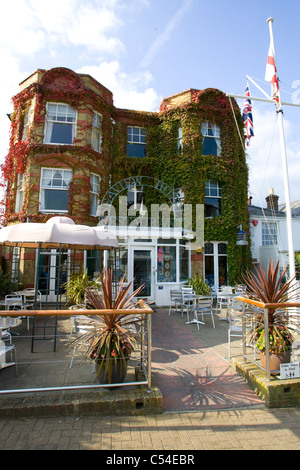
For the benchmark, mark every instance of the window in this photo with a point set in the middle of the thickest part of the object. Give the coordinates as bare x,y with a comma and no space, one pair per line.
60,124
97,132
212,206
28,116
269,233
95,187
20,192
166,264
211,144
136,142
135,197
179,140
55,189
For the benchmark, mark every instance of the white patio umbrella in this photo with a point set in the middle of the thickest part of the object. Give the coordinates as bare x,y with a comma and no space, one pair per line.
58,232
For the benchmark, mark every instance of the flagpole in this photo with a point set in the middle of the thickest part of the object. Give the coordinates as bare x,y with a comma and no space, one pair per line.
284,165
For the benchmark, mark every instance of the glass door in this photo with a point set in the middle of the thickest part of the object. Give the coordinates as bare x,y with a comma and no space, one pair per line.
143,271
52,274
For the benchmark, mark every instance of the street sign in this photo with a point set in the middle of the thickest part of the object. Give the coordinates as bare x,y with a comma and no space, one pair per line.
290,370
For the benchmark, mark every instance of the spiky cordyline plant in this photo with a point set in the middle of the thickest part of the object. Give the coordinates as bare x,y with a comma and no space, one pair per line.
111,337
271,288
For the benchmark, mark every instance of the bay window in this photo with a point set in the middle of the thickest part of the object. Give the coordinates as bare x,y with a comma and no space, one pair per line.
60,126
94,194
212,206
211,144
55,189
97,132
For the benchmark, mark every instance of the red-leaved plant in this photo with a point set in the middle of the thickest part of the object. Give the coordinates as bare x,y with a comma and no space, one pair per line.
111,336
271,288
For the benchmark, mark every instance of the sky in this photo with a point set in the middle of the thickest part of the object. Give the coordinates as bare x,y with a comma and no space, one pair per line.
145,50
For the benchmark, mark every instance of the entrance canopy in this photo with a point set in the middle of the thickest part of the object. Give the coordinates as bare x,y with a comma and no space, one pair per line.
58,232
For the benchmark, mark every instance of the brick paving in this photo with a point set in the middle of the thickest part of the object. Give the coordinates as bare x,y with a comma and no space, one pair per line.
207,406
237,429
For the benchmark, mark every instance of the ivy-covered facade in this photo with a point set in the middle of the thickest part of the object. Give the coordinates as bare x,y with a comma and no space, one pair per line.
69,145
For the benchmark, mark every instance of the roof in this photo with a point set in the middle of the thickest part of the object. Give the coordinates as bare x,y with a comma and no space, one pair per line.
256,211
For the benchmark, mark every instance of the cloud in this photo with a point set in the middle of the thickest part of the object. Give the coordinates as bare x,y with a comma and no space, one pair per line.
166,34
129,91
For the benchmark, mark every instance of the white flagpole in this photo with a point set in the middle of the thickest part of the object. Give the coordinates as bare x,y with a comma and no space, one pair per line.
285,169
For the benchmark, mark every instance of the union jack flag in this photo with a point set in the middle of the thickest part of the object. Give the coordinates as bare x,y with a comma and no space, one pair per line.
247,116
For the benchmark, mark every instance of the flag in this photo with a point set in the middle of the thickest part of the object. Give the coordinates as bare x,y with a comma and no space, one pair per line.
271,74
247,116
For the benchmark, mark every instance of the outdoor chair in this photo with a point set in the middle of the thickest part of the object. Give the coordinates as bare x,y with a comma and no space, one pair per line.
13,301
235,328
80,326
28,301
203,306
187,302
175,299
4,349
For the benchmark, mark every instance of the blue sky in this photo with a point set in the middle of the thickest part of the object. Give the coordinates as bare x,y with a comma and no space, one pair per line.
145,50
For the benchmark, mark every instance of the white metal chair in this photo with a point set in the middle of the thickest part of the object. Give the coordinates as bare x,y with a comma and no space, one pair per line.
4,349
175,299
203,306
13,301
80,326
29,300
235,328
187,302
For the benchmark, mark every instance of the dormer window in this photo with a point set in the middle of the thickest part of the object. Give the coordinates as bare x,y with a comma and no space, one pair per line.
60,127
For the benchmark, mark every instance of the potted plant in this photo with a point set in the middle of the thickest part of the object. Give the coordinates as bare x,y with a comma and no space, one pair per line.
76,287
111,338
271,287
199,285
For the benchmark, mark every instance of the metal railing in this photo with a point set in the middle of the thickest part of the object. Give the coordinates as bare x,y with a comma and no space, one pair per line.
264,308
145,313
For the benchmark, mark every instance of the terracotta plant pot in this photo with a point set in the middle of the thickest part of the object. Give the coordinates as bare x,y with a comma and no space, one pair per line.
275,361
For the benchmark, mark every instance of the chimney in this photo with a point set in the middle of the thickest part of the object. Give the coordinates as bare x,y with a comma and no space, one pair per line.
272,200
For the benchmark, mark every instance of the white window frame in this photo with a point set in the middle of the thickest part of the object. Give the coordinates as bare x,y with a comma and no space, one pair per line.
179,140
60,119
94,193
96,139
269,234
213,191
67,175
28,118
20,192
138,137
212,131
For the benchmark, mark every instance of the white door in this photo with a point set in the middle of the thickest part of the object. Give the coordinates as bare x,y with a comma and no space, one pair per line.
142,270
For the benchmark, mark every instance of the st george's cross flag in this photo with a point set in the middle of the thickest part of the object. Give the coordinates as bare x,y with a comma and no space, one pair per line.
247,116
271,74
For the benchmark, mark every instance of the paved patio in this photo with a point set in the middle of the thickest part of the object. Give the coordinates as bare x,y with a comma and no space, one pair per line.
189,366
